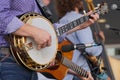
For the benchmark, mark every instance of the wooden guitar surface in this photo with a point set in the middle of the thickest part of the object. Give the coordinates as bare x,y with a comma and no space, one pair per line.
61,71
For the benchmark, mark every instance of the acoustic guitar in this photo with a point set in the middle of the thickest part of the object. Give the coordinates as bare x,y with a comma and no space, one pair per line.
65,63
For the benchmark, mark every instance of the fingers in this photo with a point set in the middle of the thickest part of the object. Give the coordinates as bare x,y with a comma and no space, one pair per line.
94,17
52,63
90,12
97,15
41,46
49,41
93,14
90,76
44,44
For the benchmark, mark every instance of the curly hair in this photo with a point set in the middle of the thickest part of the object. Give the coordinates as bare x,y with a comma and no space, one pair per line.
64,6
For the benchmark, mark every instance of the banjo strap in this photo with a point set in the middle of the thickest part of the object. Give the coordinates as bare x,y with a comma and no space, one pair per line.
44,10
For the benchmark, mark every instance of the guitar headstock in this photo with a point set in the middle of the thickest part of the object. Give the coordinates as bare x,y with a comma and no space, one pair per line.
102,8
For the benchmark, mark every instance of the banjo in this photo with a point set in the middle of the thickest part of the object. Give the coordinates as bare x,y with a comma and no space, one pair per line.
24,49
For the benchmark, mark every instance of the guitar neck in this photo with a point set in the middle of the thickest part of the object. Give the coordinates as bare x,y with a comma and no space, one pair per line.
68,63
74,67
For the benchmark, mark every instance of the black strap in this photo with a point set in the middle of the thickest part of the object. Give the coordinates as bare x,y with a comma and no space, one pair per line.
45,11
48,75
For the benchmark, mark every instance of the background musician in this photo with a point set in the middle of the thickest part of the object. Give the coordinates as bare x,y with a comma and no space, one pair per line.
68,11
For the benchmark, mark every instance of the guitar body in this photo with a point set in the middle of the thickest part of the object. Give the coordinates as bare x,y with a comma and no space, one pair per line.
61,71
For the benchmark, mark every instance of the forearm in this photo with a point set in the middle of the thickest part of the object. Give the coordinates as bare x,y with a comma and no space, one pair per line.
41,37
27,30
81,26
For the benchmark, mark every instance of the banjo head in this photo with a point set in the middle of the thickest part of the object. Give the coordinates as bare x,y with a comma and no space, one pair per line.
28,54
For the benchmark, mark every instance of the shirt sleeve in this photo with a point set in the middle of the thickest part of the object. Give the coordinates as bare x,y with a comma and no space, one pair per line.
8,22
96,51
85,36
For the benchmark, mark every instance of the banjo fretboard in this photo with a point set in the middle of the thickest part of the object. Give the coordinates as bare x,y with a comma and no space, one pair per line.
61,30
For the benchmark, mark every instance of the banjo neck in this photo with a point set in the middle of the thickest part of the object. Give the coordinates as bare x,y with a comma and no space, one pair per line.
65,28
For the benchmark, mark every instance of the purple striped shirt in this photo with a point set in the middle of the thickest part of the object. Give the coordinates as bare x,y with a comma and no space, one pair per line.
9,10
